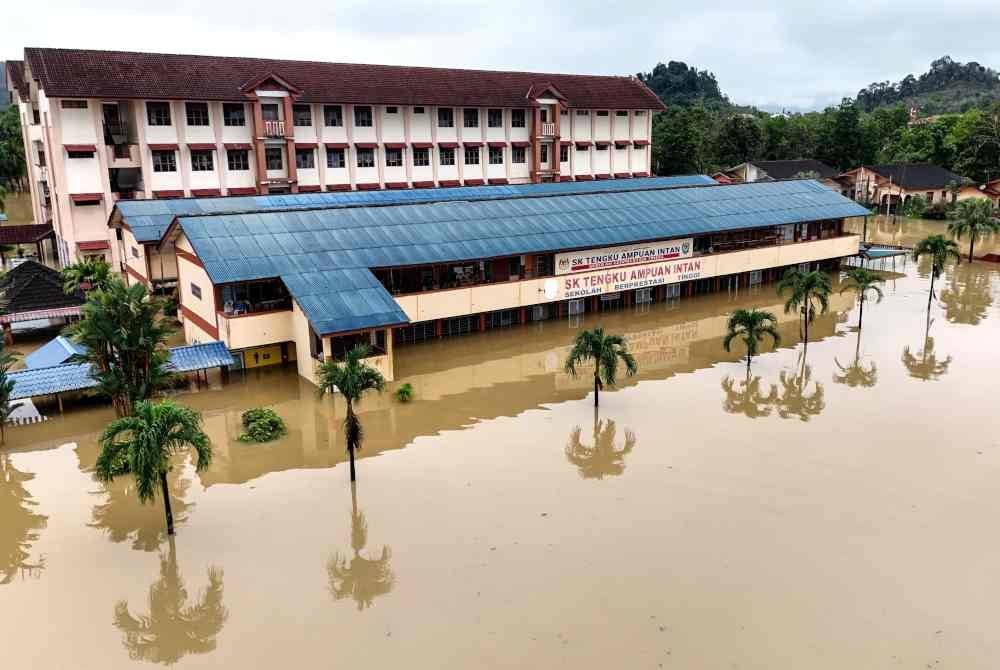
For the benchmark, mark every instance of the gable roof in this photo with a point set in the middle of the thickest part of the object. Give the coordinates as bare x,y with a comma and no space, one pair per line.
917,175
31,286
56,351
148,219
324,256
123,74
15,78
792,169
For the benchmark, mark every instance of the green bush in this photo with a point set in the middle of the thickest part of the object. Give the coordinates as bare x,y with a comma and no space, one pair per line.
404,393
915,207
261,425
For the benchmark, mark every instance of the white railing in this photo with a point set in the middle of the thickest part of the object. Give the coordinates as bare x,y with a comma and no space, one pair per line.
548,129
274,129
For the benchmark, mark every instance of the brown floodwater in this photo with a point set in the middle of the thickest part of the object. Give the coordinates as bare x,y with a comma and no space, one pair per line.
834,511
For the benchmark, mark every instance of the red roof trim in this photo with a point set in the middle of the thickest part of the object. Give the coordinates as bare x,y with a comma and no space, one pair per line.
602,175
395,145
474,182
423,184
163,147
338,187
170,193
565,142
449,182
201,146
499,181
305,145
95,245
205,192
310,188
640,174
565,177
369,187
520,144
621,143
448,145
397,185
422,145
583,145
86,197
237,146
585,177
256,83
82,148
366,145
496,145
241,190
472,144
337,145
623,175
640,143
602,143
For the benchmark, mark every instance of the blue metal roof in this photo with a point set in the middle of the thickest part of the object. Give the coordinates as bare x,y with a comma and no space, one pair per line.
54,352
199,357
323,255
148,219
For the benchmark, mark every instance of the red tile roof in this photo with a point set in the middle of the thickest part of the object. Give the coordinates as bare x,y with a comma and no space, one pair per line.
120,74
28,233
15,78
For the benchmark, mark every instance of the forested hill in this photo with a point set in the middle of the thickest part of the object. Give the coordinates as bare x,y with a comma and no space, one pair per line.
949,86
677,84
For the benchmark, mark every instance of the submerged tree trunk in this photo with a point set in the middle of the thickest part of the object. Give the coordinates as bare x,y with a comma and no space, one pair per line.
748,364
349,422
861,311
597,383
972,245
166,503
930,296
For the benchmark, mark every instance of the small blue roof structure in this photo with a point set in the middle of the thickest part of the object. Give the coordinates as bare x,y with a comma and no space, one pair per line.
324,256
199,357
54,352
3,217
148,219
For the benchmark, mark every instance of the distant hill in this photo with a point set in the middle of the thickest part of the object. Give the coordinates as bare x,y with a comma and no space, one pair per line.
949,86
677,84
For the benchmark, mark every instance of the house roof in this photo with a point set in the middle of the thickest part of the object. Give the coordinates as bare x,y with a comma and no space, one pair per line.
31,286
15,78
199,357
917,175
122,74
54,352
28,233
794,169
148,219
323,256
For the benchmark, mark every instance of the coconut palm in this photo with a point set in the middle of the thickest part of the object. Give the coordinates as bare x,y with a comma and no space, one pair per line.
863,281
141,445
173,628
973,217
359,577
751,326
746,397
940,250
606,351
925,364
602,458
807,292
7,407
85,275
794,401
21,522
351,378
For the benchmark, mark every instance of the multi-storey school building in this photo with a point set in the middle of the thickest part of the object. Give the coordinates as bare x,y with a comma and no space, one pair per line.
305,284
103,126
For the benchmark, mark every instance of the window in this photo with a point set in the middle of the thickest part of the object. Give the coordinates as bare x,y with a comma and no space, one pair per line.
197,113
333,116
363,117
393,157
446,117
73,104
543,115
77,154
640,112
496,155
392,110
335,158
201,161
517,118
418,110
135,252
472,155
756,277
269,112
421,157
196,290
563,112
273,159
494,118
517,155
621,112
470,118
164,161
234,114
366,158
158,113
602,147
302,115
447,156
602,112
543,154
238,160
305,159
563,153
583,112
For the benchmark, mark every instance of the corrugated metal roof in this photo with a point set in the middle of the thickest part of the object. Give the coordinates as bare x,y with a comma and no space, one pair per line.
199,357
323,255
54,352
148,219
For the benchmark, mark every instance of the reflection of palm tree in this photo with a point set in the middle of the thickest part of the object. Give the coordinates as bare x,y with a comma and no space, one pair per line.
173,629
603,458
925,364
19,523
123,518
358,577
968,303
746,397
856,374
793,400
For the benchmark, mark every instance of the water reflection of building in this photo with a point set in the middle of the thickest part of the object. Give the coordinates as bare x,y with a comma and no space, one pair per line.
19,524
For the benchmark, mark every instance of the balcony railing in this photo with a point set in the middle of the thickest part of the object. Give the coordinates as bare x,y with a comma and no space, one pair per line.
274,129
548,129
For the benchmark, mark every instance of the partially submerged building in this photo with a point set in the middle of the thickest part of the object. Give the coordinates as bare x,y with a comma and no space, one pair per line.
892,186
780,170
306,284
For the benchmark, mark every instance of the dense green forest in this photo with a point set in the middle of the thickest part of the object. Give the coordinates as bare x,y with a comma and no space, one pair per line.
948,87
702,132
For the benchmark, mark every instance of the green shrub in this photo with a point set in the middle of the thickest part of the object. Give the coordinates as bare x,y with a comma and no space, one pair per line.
261,425
915,207
404,393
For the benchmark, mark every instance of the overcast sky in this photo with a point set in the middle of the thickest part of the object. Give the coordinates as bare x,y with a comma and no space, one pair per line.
775,53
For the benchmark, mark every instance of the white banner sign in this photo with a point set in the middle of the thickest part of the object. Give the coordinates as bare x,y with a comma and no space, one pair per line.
640,276
616,257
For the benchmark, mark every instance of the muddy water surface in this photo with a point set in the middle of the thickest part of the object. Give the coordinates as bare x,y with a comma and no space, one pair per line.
834,511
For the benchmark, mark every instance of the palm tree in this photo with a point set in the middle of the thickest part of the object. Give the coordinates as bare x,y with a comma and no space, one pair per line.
173,628
359,577
925,365
603,458
806,290
752,326
747,398
6,388
863,281
85,275
141,446
940,249
124,334
973,217
794,401
605,351
351,378
856,374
